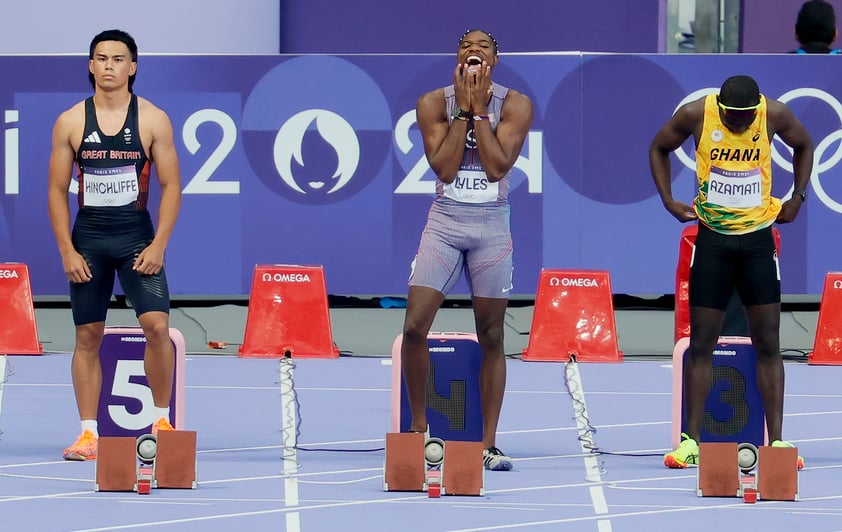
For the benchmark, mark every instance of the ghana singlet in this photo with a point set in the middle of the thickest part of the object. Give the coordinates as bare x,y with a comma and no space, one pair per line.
734,174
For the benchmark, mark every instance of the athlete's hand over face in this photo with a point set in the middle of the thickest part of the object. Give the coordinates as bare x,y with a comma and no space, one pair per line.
150,261
789,210
76,267
462,87
472,85
480,85
681,211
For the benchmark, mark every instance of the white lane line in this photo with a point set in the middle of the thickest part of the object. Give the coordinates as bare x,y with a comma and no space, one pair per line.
600,505
289,403
586,443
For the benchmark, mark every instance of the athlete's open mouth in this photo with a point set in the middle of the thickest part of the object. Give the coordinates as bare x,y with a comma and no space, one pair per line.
474,61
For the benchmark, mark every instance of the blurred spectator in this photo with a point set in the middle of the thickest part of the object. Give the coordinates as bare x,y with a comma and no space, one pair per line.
815,28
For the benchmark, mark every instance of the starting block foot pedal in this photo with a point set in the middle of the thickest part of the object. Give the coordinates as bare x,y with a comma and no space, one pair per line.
116,464
464,473
719,470
777,473
405,468
175,462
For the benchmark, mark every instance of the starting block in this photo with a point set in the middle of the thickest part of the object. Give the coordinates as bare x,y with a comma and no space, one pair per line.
175,463
433,465
827,349
405,465
730,470
116,463
464,472
777,473
18,329
718,474
167,460
288,314
574,315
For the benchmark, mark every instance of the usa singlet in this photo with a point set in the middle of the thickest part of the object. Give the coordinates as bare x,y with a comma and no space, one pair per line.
113,170
734,173
471,184
468,225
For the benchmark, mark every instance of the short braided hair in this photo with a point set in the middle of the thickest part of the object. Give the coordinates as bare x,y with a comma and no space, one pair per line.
493,40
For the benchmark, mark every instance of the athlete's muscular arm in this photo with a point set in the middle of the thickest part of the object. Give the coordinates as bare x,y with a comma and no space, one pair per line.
781,121
163,155
69,125
686,121
499,150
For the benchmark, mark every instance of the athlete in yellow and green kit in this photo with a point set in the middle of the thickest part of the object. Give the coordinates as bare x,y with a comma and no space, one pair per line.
735,210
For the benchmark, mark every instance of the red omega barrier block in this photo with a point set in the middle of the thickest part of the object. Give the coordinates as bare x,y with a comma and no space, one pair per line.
288,314
574,315
18,329
827,348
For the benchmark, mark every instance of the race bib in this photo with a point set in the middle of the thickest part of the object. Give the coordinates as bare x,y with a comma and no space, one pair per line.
736,189
472,186
110,187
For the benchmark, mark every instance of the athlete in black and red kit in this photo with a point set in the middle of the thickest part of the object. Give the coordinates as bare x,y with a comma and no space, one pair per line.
113,138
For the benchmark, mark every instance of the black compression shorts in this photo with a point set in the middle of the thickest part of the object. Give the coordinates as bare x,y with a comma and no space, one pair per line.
721,262
110,242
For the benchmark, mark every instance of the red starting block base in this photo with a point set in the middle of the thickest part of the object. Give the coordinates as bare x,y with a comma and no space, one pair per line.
405,468
173,466
775,477
175,463
461,471
464,473
719,470
777,473
116,464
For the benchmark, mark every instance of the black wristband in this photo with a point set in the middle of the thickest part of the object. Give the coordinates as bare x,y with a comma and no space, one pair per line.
458,113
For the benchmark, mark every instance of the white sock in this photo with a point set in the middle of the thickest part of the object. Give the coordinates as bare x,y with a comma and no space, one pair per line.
91,425
162,412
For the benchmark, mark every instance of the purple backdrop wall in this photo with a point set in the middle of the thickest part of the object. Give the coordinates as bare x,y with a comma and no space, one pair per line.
317,160
385,26
769,25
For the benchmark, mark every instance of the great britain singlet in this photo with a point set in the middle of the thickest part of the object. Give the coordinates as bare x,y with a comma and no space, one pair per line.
734,174
471,184
113,170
